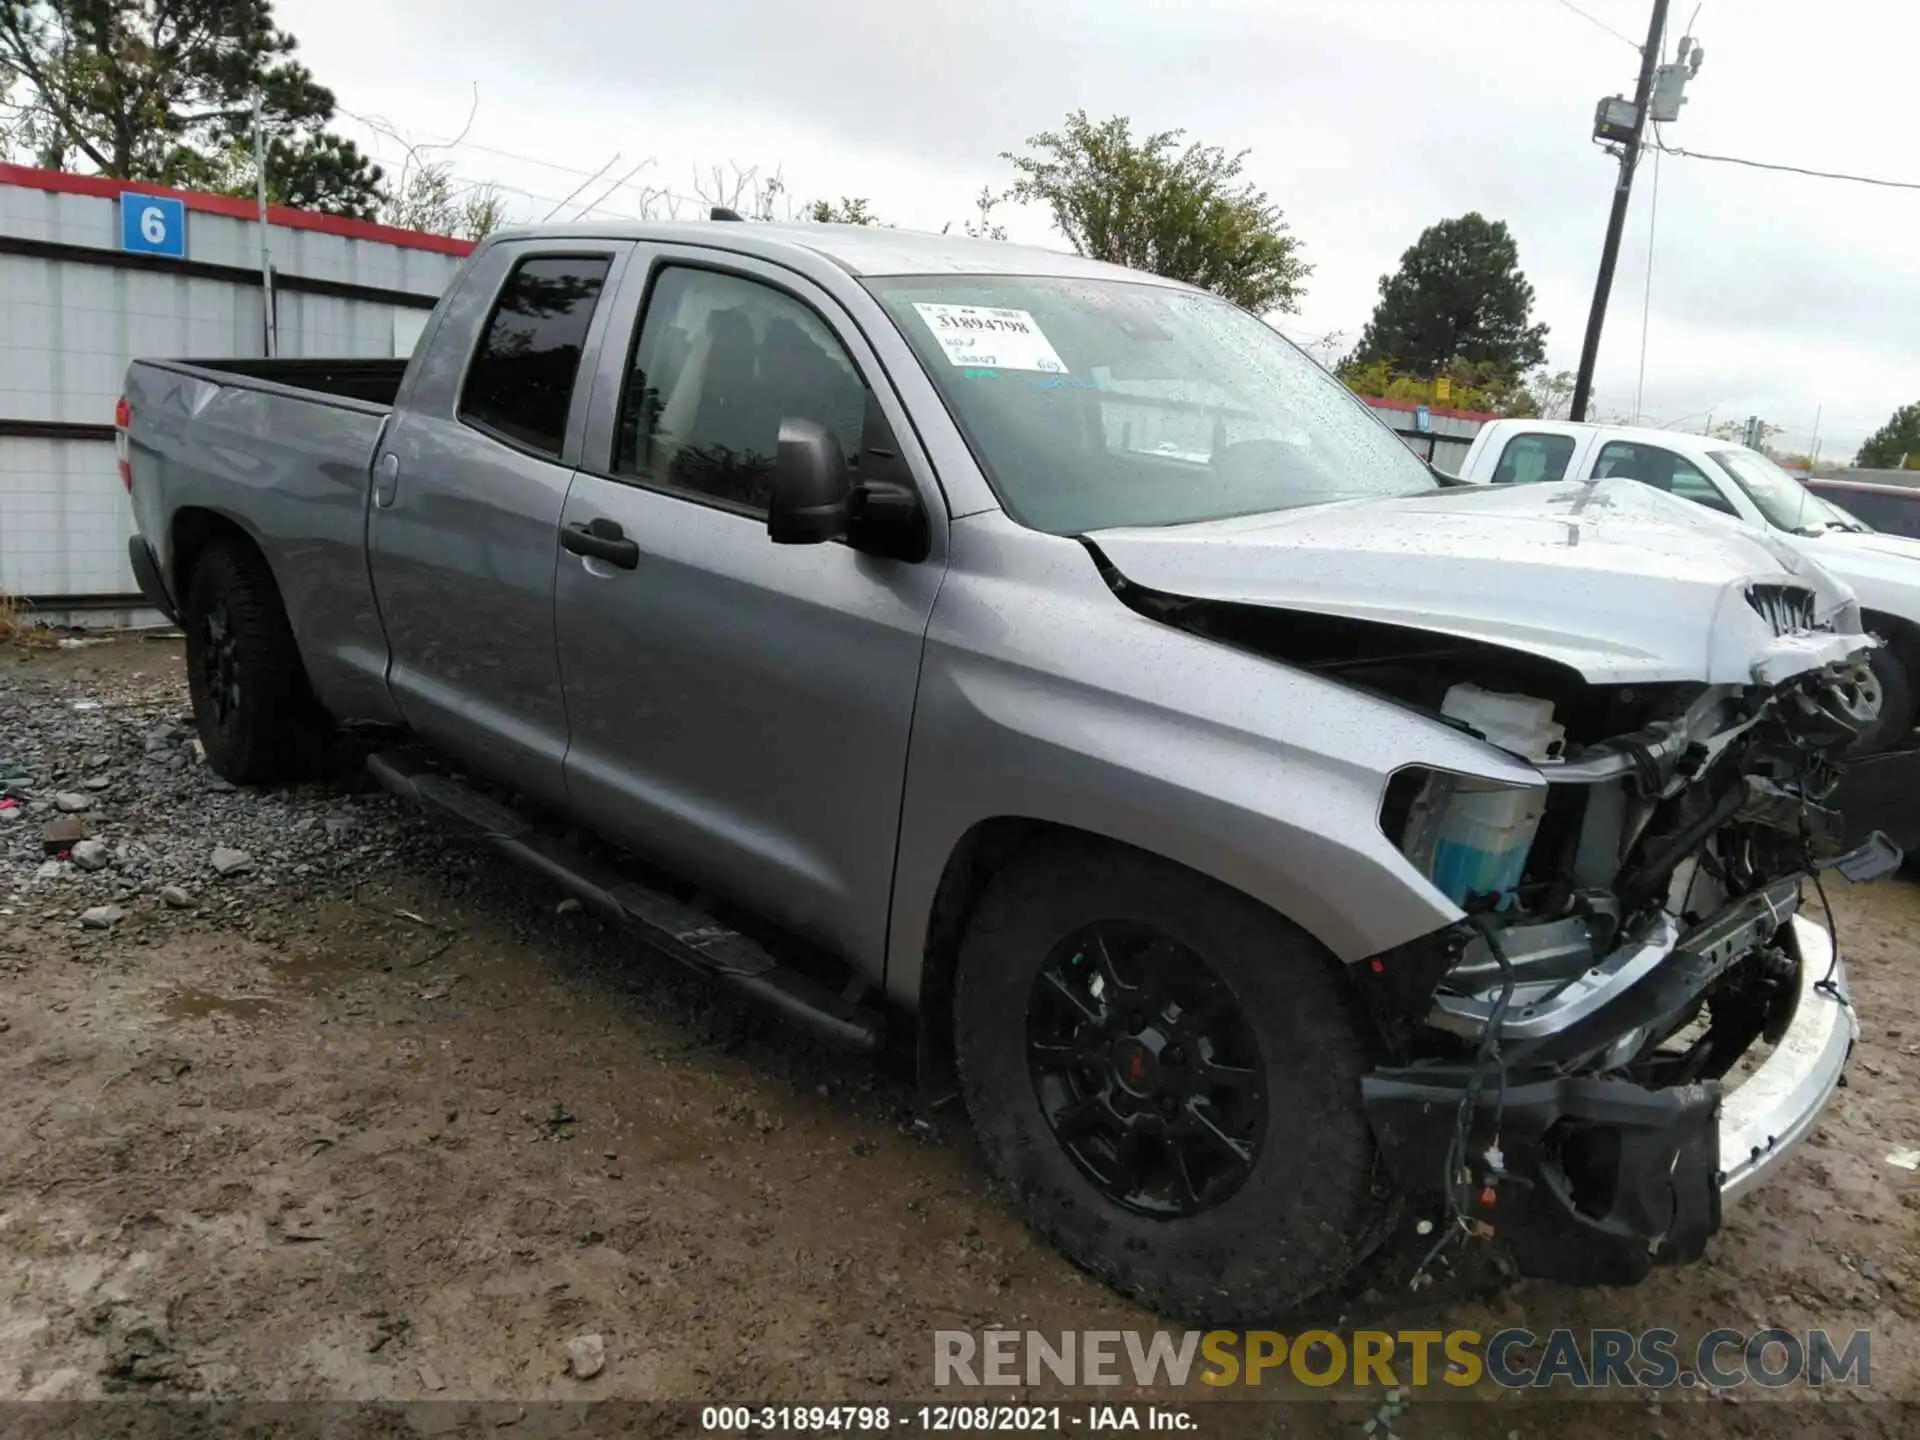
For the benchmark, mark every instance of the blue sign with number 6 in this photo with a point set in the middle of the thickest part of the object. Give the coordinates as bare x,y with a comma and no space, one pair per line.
153,225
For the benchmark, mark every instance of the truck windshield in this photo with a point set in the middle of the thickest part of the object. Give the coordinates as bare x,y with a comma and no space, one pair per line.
1785,502
1097,403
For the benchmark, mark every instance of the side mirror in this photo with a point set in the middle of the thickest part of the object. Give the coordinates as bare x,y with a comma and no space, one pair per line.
810,483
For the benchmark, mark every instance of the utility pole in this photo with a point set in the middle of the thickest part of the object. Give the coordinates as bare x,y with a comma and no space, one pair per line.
266,249
1609,126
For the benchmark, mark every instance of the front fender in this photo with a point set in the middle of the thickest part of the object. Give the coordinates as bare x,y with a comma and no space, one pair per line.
1042,697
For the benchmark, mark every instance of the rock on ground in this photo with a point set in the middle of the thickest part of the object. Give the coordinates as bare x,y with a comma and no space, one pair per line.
229,861
61,834
91,855
586,1356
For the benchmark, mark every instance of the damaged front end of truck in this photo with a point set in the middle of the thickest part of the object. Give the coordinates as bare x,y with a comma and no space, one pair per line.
1558,1057
1631,1019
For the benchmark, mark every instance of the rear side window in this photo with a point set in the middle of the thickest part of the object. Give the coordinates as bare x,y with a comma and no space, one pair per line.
520,384
1533,457
1893,514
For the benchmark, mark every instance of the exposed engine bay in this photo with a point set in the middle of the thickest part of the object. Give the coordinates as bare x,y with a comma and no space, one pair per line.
1551,1064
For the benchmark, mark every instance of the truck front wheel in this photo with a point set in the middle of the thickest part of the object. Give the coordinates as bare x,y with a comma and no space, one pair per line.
1167,1074
256,713
1892,666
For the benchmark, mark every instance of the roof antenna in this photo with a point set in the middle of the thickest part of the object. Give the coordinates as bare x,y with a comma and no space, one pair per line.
721,212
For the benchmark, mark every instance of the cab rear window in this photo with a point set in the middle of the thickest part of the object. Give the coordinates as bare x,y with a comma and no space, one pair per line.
1533,457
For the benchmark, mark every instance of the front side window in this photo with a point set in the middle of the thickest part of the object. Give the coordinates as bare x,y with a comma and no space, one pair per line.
520,384
1661,468
1092,404
720,362
1785,502
1533,458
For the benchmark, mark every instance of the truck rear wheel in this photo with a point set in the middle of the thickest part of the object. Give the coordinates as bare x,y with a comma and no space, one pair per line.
256,713
1167,1074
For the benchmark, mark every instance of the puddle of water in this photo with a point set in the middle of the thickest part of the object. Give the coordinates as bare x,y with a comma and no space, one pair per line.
318,967
348,941
202,1004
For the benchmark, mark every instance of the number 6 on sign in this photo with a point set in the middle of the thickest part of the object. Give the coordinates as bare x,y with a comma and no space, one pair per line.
153,225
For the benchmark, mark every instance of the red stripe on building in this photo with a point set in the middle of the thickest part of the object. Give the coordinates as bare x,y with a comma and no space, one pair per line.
1482,416
233,207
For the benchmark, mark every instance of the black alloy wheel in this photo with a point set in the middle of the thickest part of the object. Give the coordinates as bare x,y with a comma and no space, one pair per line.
220,664
1146,1069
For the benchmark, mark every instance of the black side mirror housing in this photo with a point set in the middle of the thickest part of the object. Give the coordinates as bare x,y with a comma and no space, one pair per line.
808,505
872,504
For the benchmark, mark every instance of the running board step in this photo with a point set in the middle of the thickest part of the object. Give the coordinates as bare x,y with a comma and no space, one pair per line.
679,931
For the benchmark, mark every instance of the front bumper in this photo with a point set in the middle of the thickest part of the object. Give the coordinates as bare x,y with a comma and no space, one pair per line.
1599,1179
1771,1111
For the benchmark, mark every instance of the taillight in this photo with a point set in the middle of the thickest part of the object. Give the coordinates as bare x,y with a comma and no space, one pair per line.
122,418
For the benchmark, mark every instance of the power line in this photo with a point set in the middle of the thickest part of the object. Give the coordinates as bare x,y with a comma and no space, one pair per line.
1646,295
624,179
1792,169
1595,20
523,159
467,183
1653,224
574,194
385,130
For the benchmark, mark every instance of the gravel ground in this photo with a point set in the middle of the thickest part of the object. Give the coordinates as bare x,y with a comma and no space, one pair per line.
310,1099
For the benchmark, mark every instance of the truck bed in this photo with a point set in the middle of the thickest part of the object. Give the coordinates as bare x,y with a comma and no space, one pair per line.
285,449
374,381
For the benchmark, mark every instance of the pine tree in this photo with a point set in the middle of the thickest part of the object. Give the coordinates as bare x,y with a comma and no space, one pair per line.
1457,296
162,90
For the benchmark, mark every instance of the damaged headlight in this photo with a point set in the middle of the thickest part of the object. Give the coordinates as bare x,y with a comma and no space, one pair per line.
1468,835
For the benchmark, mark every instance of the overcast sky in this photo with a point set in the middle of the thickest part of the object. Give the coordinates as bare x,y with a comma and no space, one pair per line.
1771,293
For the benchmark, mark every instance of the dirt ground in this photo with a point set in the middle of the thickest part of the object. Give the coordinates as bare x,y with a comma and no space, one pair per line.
405,1133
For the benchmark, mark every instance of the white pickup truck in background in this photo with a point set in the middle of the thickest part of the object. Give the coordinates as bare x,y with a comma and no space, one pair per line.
1882,570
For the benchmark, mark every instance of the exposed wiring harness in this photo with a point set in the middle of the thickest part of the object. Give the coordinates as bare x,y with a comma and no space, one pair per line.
1826,984
1486,1054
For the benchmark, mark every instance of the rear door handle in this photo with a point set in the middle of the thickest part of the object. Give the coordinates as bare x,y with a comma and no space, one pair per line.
386,480
601,539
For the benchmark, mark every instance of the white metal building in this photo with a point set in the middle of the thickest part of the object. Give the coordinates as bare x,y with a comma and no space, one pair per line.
95,272
1434,433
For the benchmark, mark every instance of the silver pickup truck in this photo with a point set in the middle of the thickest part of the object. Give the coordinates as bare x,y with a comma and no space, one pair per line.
1047,665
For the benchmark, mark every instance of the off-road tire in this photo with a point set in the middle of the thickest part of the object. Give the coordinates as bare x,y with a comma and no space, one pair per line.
1308,1210
266,726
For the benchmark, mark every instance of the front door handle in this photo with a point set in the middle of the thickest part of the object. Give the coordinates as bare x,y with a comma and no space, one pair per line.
601,539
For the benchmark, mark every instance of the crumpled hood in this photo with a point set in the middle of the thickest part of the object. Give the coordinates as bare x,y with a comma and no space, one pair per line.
1620,582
